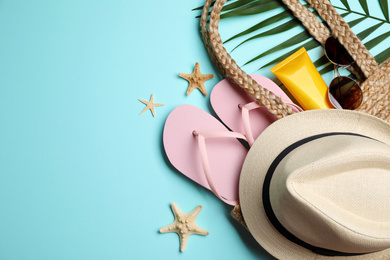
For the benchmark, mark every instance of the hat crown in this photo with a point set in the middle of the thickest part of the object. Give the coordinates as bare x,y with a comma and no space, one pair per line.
333,193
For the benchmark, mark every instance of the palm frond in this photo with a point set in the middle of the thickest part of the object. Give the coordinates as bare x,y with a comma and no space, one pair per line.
257,7
356,21
290,42
363,4
383,55
385,8
375,41
262,24
345,3
281,28
309,45
236,4
362,35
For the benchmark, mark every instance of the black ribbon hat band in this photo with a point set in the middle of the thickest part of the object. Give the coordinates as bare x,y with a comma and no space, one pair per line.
267,202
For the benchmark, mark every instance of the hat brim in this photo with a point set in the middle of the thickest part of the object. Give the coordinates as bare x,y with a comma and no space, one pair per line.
271,143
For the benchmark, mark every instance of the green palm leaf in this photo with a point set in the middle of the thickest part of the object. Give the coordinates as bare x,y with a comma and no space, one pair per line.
242,3
256,7
345,3
261,25
321,61
362,35
356,21
385,8
281,28
311,44
228,7
237,4
372,43
364,5
292,41
383,55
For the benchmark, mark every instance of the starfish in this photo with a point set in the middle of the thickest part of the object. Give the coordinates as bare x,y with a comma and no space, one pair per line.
150,105
196,80
184,225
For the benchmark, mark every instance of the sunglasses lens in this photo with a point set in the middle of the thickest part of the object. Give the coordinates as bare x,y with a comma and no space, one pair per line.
336,52
346,92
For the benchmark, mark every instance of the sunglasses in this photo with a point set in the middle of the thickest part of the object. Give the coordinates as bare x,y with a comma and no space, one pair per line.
343,92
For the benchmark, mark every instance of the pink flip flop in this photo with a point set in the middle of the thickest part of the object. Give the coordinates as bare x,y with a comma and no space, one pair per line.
232,104
201,147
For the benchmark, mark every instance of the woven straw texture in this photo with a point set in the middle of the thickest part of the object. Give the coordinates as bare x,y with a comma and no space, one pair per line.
375,78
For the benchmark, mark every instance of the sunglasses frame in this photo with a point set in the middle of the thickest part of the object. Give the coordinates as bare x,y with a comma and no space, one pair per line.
337,65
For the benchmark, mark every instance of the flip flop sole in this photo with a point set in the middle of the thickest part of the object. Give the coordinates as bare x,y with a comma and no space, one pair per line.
226,96
226,155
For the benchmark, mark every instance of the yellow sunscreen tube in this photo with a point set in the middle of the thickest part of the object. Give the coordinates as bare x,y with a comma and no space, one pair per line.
302,79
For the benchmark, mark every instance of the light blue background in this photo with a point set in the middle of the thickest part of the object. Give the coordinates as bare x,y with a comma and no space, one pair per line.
82,174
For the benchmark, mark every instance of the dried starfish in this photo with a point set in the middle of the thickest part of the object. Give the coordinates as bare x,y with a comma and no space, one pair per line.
184,225
196,80
150,105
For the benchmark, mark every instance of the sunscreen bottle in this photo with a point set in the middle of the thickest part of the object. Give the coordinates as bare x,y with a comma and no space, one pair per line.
302,79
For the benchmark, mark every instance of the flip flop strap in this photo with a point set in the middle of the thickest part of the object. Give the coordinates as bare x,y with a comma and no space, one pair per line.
245,117
205,161
246,122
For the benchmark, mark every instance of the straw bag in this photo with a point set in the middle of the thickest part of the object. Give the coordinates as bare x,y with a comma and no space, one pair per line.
374,78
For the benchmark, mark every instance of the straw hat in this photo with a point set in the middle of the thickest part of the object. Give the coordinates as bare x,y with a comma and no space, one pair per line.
316,185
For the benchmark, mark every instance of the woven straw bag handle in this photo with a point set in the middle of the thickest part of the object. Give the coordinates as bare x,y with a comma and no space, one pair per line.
340,29
230,69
